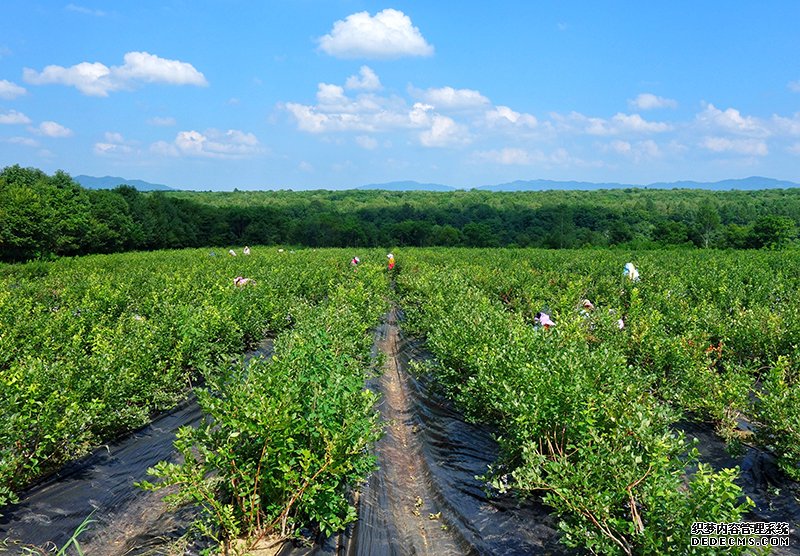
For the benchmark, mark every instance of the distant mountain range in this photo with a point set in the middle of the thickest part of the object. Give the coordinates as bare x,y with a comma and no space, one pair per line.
751,183
110,182
408,186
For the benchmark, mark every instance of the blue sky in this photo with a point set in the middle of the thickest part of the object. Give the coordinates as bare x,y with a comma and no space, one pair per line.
305,94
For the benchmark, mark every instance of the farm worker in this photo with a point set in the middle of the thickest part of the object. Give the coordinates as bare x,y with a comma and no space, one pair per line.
241,281
354,261
543,319
391,261
231,252
631,272
246,250
620,324
587,305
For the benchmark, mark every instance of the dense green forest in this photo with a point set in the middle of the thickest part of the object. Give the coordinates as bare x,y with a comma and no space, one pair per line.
43,216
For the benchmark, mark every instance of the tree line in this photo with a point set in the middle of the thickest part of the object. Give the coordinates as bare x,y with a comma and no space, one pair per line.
51,215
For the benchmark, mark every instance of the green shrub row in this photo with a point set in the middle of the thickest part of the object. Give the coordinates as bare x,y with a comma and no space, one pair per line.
287,437
577,421
91,347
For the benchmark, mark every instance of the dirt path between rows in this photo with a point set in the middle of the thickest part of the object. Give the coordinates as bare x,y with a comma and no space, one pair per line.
425,497
399,512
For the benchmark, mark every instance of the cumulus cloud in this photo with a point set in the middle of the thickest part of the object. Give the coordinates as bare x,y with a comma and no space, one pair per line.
52,129
13,117
96,79
444,132
503,116
731,120
114,145
230,144
335,111
786,126
366,80
576,122
753,147
448,98
635,123
112,149
638,151
331,98
10,91
389,34
649,101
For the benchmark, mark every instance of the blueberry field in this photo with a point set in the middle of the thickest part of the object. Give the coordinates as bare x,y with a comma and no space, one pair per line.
586,379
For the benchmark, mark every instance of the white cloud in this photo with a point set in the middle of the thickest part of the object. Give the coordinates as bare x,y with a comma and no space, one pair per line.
84,10
335,111
4,51
367,142
639,151
307,118
794,86
365,80
96,79
635,123
420,114
754,147
332,98
448,98
389,34
52,129
305,166
230,144
731,120
25,141
501,116
10,91
13,117
109,149
444,132
649,101
114,145
786,126
161,122
576,122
